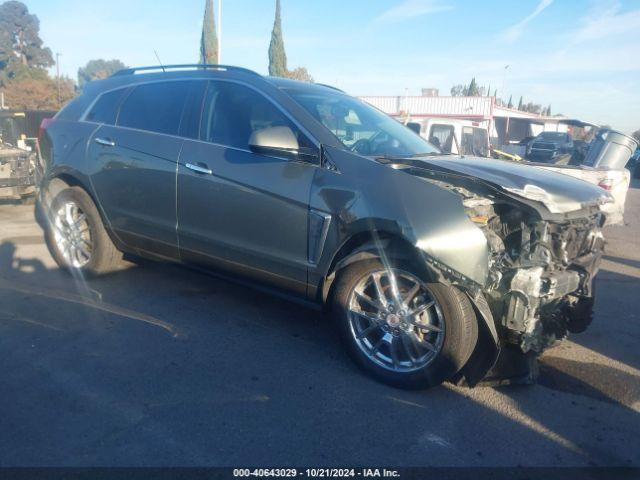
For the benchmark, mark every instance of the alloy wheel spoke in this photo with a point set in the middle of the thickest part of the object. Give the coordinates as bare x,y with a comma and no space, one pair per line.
425,344
393,349
411,293
409,347
379,291
367,331
370,301
422,308
376,347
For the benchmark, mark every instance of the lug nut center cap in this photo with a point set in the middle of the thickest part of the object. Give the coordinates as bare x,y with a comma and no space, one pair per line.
393,320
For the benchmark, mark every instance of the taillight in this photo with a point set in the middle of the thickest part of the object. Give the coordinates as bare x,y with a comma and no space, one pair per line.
43,126
606,184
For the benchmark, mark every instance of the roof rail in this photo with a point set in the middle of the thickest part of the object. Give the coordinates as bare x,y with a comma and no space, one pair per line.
193,66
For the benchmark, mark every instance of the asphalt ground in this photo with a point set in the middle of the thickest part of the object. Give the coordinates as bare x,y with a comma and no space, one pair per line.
162,366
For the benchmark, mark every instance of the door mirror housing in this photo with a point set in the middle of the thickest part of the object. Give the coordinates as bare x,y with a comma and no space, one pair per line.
279,141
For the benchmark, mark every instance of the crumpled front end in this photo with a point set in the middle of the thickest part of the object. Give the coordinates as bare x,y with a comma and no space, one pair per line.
540,266
541,272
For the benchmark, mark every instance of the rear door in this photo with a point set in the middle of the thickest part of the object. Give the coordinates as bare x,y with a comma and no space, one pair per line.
239,210
133,162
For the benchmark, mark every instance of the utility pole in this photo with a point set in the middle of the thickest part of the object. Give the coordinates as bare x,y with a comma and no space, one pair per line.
504,79
220,31
58,77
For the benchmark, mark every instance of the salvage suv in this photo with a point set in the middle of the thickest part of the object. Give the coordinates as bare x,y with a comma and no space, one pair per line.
435,267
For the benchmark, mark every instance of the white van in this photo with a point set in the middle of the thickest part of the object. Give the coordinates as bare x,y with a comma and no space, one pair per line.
460,137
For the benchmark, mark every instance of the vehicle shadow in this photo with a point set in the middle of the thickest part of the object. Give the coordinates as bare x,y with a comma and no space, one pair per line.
159,365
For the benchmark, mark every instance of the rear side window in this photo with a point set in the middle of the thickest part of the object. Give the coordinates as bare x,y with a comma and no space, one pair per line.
106,108
156,107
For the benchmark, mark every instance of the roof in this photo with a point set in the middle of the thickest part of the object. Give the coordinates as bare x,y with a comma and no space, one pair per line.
471,107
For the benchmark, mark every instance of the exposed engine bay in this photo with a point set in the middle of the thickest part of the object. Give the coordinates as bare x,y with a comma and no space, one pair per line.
541,272
541,262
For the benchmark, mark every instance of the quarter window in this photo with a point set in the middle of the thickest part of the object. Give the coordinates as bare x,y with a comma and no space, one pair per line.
106,108
156,107
232,112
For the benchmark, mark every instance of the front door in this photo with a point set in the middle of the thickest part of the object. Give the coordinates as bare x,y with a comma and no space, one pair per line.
238,210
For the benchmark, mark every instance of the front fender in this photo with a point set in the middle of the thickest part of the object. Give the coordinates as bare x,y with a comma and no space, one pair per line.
366,196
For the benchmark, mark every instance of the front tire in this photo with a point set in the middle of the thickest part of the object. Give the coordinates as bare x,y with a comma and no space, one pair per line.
76,237
401,328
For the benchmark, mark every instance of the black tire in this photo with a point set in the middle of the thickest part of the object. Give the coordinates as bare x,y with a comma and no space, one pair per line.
461,329
105,257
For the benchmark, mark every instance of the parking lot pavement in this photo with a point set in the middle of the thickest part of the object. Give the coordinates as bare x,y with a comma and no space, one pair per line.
162,366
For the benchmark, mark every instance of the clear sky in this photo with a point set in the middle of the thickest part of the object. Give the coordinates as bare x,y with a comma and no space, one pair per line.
580,56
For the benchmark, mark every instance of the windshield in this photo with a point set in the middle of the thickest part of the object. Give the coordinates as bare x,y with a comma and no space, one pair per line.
360,127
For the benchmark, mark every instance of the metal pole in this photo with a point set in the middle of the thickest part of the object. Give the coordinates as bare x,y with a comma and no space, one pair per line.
219,31
504,79
58,78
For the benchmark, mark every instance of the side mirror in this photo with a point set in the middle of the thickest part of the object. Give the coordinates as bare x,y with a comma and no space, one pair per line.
278,141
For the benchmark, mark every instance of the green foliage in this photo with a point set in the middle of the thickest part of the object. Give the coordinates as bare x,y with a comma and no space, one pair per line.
510,104
301,74
458,90
209,40
277,55
520,104
473,90
98,69
24,60
21,48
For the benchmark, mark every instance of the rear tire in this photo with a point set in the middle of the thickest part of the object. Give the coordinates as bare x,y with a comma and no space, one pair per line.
76,236
451,313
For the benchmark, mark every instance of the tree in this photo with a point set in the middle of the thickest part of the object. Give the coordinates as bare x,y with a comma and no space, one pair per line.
510,104
473,90
98,69
277,55
38,93
21,47
209,40
301,74
520,104
458,90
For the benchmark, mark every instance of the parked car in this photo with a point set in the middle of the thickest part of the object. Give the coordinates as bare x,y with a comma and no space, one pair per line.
459,137
547,146
603,163
433,266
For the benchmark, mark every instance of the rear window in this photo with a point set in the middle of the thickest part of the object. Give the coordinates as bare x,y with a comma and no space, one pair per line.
106,108
155,107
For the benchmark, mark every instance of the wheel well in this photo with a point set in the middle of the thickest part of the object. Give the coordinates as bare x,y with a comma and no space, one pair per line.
365,246
65,180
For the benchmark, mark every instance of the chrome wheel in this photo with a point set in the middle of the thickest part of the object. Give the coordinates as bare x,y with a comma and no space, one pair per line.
72,234
396,320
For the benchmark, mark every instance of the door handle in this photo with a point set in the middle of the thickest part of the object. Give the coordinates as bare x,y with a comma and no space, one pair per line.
199,169
107,142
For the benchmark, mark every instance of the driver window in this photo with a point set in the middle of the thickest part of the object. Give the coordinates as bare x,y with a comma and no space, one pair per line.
232,112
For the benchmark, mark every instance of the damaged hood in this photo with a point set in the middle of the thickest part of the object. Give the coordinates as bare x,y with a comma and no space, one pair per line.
557,192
